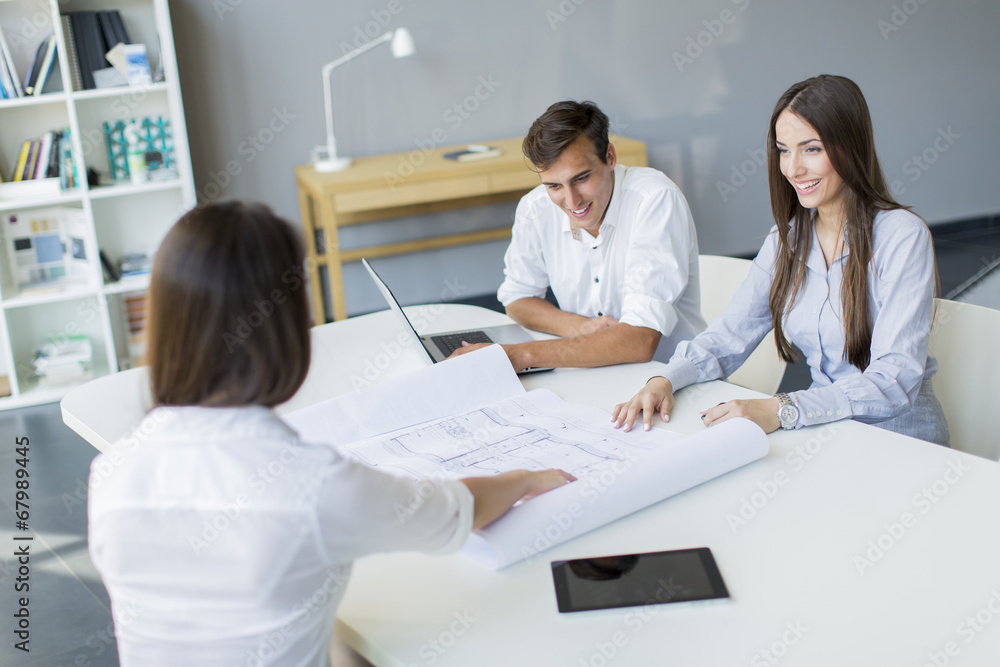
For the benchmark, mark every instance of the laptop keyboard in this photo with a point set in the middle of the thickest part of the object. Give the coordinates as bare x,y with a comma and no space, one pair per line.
451,342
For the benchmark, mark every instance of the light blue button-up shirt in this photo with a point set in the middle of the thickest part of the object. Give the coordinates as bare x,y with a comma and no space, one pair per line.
901,285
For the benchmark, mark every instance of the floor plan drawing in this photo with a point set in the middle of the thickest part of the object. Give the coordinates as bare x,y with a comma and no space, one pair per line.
534,431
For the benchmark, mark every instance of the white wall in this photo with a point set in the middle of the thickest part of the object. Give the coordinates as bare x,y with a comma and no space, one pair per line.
928,69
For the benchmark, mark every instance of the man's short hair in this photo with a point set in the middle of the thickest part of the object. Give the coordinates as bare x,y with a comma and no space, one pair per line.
561,125
228,311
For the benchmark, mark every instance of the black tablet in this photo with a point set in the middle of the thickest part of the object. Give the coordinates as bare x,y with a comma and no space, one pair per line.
632,580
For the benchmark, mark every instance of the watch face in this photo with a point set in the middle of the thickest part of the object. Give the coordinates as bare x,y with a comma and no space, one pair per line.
789,414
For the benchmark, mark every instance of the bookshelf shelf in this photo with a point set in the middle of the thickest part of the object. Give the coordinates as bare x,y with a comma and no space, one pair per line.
25,300
34,100
118,220
120,91
65,197
129,284
122,189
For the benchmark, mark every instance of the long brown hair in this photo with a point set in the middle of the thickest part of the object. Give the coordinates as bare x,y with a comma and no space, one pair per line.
836,109
229,317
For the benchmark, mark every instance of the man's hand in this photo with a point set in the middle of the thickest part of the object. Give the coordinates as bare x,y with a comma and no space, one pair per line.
511,351
761,411
588,325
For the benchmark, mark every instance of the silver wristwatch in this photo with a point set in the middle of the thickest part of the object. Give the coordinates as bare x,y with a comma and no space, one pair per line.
788,411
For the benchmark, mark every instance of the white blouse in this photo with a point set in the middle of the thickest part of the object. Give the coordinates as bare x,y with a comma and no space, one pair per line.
225,540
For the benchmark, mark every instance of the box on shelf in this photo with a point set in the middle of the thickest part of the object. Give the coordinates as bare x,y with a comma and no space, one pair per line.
64,360
47,249
152,137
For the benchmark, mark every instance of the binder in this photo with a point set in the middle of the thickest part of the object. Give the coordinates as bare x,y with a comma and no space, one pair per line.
72,58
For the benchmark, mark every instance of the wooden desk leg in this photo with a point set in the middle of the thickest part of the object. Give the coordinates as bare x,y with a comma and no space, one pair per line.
334,269
312,258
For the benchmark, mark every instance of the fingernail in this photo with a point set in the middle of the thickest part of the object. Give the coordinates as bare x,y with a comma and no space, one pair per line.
666,418
703,417
645,427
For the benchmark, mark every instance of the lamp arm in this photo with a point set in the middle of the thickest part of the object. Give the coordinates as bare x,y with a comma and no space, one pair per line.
328,68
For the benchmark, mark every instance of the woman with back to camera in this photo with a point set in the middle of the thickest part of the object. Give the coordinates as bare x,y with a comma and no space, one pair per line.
222,538
846,275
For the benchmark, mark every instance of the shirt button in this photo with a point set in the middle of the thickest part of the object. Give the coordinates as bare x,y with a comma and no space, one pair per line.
600,314
809,414
840,412
829,413
596,279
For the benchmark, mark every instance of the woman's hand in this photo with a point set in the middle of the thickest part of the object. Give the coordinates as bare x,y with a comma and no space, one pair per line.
496,494
657,395
540,481
761,411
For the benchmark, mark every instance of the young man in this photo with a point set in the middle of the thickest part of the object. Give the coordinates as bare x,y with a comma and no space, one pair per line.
616,244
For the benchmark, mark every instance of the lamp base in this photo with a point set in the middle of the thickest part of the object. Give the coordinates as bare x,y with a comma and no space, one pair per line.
332,164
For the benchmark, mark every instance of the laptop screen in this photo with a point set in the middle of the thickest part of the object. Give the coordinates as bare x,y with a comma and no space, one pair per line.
394,305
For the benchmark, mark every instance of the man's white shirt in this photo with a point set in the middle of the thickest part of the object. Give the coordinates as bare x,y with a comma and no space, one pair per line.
641,269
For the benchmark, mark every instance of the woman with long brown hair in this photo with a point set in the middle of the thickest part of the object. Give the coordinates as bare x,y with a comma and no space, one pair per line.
846,275
223,538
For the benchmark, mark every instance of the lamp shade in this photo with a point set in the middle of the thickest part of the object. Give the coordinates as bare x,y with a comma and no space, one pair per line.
402,43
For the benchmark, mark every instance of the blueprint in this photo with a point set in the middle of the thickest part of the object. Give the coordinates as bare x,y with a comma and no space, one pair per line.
534,431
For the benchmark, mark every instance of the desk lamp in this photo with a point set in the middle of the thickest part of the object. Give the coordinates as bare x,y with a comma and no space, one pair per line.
325,157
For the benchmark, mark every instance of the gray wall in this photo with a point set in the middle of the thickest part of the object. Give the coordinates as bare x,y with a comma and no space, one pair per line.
695,80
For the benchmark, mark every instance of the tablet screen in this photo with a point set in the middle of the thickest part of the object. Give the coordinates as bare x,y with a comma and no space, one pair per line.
637,579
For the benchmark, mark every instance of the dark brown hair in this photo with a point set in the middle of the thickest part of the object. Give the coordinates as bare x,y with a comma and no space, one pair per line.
561,125
835,107
229,317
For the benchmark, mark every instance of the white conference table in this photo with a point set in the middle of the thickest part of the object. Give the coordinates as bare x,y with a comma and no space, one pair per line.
846,545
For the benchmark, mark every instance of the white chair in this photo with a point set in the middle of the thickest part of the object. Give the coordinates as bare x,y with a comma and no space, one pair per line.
720,278
965,340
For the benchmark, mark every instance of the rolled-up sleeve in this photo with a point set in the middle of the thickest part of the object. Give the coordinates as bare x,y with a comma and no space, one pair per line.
525,274
903,302
658,261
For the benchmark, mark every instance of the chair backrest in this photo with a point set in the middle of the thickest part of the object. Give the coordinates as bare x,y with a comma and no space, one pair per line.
720,278
965,340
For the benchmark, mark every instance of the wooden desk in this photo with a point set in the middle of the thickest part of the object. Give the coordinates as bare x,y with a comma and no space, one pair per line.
409,183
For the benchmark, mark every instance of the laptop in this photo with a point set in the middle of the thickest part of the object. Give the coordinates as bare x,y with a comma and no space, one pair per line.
438,346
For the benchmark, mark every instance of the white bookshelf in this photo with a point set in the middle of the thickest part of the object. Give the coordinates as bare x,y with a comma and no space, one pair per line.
121,218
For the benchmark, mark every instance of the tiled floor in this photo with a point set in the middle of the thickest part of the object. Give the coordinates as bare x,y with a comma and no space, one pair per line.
69,610
70,614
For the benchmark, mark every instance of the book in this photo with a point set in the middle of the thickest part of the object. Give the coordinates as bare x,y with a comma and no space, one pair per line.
29,165
67,167
52,170
36,65
47,248
76,77
8,73
477,153
44,154
22,160
46,67
451,424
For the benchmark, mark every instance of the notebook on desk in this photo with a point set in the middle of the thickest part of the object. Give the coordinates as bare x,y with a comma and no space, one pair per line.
438,346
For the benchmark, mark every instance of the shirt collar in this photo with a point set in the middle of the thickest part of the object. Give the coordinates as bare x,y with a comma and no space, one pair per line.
816,261
610,216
